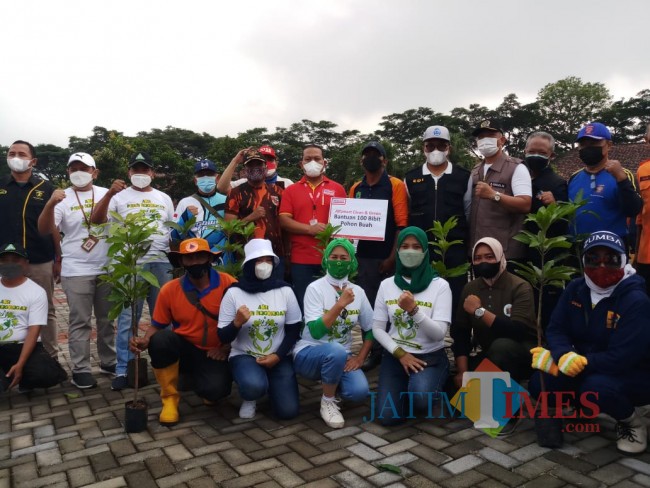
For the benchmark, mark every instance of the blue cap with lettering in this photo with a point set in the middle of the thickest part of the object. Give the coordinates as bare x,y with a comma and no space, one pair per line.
595,130
205,164
604,238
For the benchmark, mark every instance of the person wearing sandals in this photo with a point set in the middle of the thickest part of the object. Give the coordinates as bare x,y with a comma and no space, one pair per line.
261,319
417,303
333,307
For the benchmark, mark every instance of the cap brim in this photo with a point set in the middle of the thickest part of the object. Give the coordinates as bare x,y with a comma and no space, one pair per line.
174,257
140,162
476,132
22,255
254,159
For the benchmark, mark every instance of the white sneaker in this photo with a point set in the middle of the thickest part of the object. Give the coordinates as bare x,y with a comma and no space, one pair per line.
331,413
631,435
247,409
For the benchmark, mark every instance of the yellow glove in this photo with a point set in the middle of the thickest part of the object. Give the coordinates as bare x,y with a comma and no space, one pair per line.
543,361
572,364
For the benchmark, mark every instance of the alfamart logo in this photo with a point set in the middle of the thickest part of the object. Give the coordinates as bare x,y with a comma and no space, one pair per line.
490,398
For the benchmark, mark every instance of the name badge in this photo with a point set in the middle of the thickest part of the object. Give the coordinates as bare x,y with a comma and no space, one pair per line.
89,243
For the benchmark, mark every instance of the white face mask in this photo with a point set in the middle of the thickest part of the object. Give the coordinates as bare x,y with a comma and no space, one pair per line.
270,172
313,169
263,270
80,178
18,165
488,146
140,181
436,158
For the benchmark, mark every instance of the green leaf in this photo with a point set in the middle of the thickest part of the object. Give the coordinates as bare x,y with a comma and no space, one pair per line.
390,467
150,278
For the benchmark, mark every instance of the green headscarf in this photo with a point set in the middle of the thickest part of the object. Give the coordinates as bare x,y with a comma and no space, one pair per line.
421,276
345,244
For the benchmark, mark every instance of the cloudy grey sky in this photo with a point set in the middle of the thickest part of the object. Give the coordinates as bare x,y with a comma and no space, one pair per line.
224,67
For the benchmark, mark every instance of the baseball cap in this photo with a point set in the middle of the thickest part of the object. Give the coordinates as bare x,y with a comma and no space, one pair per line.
374,145
487,124
253,155
595,130
436,132
84,158
256,248
267,151
13,248
604,238
205,164
141,157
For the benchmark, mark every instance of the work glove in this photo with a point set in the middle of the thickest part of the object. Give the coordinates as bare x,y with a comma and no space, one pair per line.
543,361
572,364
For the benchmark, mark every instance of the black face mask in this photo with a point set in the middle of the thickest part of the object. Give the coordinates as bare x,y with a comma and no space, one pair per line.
537,163
11,271
486,270
372,163
198,271
591,155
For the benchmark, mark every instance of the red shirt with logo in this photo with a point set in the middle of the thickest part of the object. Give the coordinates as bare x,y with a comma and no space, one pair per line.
305,203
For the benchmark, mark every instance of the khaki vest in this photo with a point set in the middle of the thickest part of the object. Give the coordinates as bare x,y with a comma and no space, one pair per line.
488,218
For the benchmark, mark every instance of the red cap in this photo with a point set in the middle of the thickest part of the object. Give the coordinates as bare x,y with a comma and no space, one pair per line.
267,151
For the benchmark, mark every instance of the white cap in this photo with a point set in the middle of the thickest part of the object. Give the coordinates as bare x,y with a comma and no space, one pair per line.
256,248
436,132
85,158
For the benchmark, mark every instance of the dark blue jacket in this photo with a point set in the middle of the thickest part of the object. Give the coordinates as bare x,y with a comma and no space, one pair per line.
614,335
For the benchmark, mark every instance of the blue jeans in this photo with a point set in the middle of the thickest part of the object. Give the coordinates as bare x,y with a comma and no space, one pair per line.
279,382
162,271
301,276
393,381
325,362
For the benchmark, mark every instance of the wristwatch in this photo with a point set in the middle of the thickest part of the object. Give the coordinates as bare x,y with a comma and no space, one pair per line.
479,312
497,197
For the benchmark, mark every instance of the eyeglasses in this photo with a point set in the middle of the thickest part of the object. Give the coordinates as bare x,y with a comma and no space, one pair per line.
594,260
440,146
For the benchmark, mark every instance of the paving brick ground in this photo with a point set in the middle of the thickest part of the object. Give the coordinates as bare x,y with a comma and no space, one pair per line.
66,437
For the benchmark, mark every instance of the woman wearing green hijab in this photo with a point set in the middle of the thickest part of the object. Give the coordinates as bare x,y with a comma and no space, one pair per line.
333,307
417,303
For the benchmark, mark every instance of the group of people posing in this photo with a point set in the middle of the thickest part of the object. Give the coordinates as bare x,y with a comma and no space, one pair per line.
294,307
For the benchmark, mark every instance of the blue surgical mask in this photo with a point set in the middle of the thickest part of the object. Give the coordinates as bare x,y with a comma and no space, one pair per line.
206,184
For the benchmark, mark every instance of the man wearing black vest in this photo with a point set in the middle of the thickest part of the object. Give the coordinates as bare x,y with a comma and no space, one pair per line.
438,190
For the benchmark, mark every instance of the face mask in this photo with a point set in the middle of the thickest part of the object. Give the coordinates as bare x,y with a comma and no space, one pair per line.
255,175
486,270
198,271
140,181
11,270
206,184
537,162
411,258
604,277
372,163
313,169
18,165
80,178
488,146
263,271
270,173
591,155
436,158
338,269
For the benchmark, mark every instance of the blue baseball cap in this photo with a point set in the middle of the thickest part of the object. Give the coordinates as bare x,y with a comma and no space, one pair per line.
205,164
595,130
604,238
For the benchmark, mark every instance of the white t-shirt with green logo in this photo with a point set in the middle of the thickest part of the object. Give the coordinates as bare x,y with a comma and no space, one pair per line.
263,333
157,205
68,217
320,297
21,307
405,331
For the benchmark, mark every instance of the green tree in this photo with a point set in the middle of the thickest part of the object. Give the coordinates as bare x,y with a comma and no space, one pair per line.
568,104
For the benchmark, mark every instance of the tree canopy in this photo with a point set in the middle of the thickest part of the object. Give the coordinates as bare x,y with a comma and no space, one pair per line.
560,108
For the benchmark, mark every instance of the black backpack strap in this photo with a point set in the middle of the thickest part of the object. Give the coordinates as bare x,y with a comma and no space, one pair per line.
208,207
193,297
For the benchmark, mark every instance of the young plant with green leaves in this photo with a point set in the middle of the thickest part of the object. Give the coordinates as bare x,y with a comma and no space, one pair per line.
129,240
441,245
325,236
551,271
237,233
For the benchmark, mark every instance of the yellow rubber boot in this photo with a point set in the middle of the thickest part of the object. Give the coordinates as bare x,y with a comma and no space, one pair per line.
168,380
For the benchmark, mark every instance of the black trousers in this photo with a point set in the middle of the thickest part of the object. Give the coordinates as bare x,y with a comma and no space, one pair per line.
509,355
40,370
213,380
